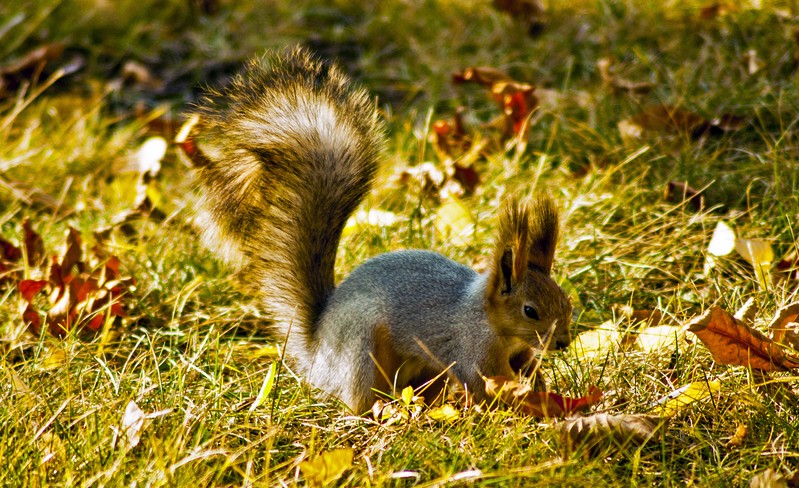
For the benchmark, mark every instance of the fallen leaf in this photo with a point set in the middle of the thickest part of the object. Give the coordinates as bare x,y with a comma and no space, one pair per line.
732,342
531,12
150,154
407,395
668,118
52,451
753,62
760,255
482,75
620,84
786,268
266,387
516,100
603,429
738,438
779,325
747,313
33,243
537,403
133,423
596,342
454,221
29,66
716,9
328,466
444,413
723,240
29,288
139,74
659,338
680,192
671,404
768,479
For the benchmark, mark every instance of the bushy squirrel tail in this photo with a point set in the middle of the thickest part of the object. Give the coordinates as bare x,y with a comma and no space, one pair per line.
285,154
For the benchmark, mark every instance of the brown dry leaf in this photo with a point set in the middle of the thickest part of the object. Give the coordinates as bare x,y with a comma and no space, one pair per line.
733,342
34,245
537,403
651,317
768,479
29,66
603,429
681,192
485,76
141,75
780,326
747,312
716,9
668,118
530,12
619,84
786,268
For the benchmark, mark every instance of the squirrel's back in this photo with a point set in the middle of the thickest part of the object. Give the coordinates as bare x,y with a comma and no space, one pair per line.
289,150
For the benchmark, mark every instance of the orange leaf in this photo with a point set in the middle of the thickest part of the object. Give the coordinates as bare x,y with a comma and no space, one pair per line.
537,403
29,288
733,342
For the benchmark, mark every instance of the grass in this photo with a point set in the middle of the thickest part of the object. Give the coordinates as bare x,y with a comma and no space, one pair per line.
192,349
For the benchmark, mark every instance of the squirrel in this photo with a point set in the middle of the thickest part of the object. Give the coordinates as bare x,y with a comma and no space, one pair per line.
284,154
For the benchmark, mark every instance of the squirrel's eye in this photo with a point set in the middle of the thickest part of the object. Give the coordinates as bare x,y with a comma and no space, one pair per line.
530,312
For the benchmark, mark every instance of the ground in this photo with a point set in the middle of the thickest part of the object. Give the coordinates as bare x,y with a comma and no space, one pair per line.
718,113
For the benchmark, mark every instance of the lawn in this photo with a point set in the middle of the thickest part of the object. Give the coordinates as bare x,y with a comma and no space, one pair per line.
652,125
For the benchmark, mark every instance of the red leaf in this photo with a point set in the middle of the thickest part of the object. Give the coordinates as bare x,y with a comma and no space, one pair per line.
29,288
31,317
9,251
537,403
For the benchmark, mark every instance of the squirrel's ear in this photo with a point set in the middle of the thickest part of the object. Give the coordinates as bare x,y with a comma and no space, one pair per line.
543,237
504,275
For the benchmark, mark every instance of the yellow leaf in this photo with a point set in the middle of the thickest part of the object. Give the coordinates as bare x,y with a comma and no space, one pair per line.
269,351
659,338
407,395
266,387
723,240
759,254
373,218
671,404
454,221
596,342
446,413
327,467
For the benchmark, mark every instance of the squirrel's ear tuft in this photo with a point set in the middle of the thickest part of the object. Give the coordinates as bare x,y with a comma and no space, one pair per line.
528,233
543,237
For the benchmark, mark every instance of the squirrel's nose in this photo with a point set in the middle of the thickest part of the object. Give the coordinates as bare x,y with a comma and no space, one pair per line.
561,344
